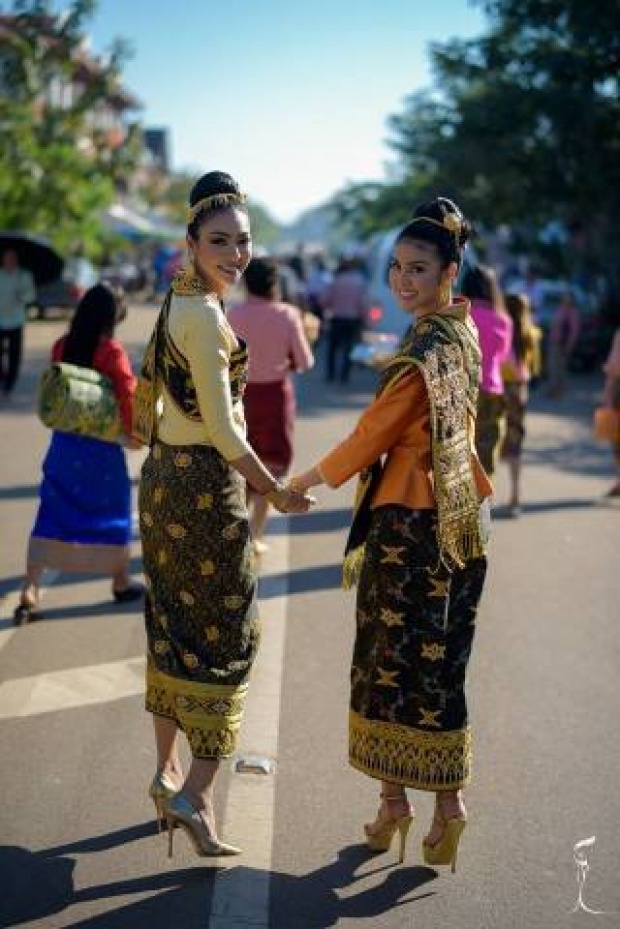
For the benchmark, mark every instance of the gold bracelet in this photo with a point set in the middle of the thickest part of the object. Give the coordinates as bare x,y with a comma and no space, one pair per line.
277,488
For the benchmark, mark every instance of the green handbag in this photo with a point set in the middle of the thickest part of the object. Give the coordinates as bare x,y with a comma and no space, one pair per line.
79,400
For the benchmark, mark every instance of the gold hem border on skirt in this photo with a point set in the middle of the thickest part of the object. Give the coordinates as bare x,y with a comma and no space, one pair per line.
412,757
209,714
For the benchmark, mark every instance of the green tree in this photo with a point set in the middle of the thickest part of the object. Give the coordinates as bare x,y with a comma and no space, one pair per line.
522,126
58,171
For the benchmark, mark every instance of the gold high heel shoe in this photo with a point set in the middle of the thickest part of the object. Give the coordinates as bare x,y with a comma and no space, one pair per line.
161,790
445,850
379,834
180,812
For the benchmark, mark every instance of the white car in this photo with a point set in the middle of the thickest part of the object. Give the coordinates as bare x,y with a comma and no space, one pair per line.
385,323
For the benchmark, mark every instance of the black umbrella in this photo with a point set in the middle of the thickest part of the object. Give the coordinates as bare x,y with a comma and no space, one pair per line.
35,254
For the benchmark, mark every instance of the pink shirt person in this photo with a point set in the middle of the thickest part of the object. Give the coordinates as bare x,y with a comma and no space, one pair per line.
275,338
495,333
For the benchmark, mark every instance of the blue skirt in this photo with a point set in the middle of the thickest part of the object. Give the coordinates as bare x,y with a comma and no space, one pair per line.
84,517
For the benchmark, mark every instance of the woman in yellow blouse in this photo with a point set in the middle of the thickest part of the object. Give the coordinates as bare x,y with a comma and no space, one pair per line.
201,619
416,544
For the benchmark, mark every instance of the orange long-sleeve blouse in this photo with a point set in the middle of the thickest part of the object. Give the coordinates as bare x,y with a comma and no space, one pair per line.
397,425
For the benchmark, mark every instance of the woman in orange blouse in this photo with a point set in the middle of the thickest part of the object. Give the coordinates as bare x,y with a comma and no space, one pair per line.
417,544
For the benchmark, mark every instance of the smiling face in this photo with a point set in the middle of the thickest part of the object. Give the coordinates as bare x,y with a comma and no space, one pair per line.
222,249
418,278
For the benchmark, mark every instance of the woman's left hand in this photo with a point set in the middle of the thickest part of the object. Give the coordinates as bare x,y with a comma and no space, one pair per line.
303,482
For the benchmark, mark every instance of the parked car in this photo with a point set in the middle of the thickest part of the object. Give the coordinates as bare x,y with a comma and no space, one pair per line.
65,292
386,322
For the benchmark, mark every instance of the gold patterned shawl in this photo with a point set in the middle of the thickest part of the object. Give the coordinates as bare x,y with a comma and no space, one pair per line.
444,348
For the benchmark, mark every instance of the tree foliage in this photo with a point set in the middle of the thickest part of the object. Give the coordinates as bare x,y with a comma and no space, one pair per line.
58,170
522,125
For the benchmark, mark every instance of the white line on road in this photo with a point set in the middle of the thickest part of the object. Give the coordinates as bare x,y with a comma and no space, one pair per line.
64,690
241,894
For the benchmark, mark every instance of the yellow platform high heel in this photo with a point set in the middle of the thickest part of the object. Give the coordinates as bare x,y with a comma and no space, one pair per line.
180,812
161,790
445,850
379,834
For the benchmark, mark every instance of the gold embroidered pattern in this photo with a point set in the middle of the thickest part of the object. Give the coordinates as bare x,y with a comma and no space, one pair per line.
207,568
162,557
233,602
424,760
387,678
427,718
205,501
182,460
175,531
190,661
187,598
440,588
147,519
434,651
212,634
392,554
231,532
158,494
391,617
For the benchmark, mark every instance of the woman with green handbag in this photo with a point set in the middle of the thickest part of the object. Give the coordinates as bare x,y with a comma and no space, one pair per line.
84,518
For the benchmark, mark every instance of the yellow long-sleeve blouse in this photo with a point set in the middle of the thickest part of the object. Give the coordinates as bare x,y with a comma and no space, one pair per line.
200,331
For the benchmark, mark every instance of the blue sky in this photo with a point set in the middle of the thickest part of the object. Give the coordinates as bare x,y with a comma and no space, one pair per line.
290,96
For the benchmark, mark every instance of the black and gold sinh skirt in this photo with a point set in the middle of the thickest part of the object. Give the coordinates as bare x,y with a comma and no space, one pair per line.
408,721
201,616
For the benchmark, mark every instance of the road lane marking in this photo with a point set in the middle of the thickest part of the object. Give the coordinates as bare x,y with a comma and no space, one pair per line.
76,687
241,894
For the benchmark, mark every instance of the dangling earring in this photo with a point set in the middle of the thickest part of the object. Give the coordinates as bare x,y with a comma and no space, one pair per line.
445,294
191,267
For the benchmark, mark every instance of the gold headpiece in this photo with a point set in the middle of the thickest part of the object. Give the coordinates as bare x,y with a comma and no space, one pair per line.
207,203
450,222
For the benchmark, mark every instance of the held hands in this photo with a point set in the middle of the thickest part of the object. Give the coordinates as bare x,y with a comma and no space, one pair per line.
289,500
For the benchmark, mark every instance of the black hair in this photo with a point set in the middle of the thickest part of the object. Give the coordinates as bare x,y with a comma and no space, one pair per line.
262,277
210,185
479,283
94,318
449,245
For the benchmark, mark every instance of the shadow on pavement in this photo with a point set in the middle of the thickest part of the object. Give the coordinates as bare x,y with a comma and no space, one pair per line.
544,506
311,901
318,520
40,884
300,581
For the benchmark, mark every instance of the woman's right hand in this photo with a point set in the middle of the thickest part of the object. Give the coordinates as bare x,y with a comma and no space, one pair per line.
287,500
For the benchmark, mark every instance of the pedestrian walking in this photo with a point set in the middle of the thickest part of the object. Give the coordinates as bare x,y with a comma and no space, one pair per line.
202,625
563,335
611,401
522,364
345,301
416,545
83,523
16,293
494,325
277,345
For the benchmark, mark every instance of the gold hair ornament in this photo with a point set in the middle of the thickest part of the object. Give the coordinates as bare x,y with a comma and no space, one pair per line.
216,200
450,222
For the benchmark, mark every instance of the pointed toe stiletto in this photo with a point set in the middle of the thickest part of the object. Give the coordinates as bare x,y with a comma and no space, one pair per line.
161,790
379,834
180,812
444,851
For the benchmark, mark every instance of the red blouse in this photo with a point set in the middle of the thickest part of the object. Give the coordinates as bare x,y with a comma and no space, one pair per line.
112,360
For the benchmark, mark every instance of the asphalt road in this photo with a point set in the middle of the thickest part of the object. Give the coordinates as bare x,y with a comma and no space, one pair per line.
79,844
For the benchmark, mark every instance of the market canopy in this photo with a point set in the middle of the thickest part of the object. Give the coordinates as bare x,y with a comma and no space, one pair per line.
135,224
